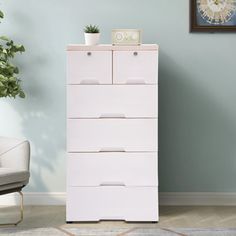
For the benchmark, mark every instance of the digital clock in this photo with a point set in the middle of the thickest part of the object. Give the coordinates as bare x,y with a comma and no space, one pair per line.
126,37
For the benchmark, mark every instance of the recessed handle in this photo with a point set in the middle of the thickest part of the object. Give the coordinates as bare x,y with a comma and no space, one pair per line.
112,149
117,217
89,80
89,54
135,53
112,115
135,80
112,183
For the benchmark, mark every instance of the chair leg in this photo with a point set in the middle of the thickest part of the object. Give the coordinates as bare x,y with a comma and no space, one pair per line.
21,213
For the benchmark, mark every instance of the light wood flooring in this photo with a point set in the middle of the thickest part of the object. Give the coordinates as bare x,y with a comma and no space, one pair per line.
54,216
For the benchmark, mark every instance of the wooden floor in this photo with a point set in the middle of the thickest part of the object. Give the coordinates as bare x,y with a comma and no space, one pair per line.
54,216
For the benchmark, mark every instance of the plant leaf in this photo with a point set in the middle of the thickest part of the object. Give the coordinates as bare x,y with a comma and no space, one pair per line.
1,15
22,94
5,38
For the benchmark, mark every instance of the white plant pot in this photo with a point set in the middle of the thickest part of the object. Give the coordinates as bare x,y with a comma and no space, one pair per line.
91,39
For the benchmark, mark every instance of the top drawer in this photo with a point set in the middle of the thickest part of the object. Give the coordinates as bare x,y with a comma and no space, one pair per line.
84,67
135,67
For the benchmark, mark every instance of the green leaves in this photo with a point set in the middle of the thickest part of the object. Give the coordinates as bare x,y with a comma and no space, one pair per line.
9,83
10,87
5,38
1,15
92,29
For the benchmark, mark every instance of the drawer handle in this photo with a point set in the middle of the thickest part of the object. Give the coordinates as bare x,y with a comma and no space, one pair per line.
111,183
110,149
135,53
135,80
112,217
107,115
89,54
89,81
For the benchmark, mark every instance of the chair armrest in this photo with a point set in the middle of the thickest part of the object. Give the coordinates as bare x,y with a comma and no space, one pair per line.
14,153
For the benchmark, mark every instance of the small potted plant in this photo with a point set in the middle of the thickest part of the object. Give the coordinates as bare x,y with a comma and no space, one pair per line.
91,34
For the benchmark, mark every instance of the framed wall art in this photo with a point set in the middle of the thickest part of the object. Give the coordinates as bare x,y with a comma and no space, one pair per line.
212,15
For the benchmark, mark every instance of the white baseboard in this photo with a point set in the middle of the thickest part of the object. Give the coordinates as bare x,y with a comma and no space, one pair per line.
166,199
35,198
198,199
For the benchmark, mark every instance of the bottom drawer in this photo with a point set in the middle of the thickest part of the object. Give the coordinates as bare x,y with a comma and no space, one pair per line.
112,203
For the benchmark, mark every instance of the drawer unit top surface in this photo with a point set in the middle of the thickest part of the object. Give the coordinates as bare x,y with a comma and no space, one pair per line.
110,47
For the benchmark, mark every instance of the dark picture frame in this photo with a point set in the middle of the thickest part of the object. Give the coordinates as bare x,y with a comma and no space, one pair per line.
196,27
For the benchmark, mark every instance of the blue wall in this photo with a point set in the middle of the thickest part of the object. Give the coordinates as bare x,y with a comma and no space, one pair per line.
197,121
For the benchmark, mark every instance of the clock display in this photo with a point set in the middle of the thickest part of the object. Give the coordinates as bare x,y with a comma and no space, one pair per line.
126,37
216,12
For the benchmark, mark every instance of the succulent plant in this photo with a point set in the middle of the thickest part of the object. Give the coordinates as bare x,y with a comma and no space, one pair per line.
92,29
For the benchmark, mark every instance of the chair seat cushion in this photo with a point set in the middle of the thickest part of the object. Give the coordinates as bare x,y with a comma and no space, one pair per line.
9,176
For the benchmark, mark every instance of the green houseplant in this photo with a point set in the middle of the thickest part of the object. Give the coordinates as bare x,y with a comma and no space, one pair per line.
9,81
91,34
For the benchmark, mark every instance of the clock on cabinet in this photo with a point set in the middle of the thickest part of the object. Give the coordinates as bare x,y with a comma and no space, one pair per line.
126,37
212,15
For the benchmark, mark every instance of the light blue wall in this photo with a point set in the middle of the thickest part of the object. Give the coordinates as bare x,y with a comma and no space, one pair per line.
197,121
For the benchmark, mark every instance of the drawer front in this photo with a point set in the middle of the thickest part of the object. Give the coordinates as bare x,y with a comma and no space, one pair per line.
102,101
112,169
89,67
112,203
139,67
106,135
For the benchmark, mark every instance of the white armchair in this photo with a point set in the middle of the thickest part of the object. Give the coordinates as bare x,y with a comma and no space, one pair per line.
14,167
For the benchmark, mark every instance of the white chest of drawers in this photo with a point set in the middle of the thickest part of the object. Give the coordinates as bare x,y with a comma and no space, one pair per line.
112,110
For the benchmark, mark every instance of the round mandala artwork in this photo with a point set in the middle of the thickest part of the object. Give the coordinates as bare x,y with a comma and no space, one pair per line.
216,12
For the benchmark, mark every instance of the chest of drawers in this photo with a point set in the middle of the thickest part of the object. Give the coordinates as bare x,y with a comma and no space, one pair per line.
112,133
